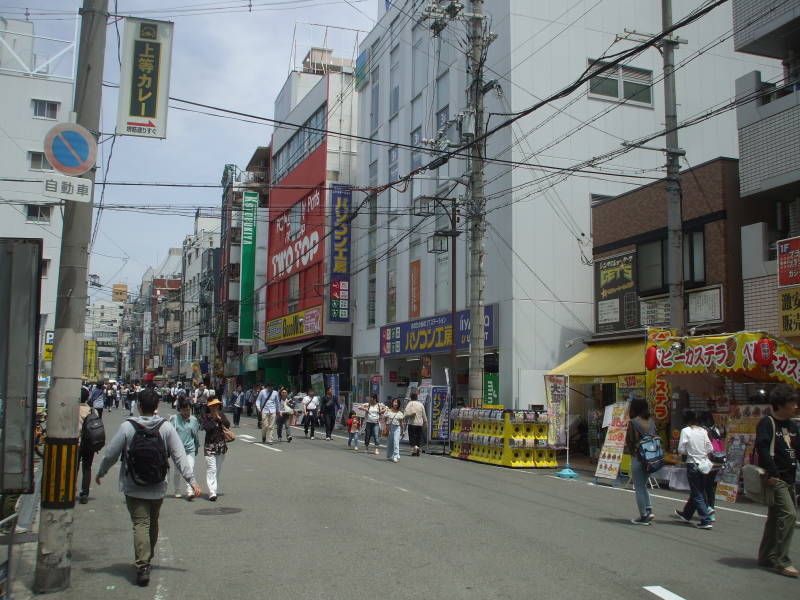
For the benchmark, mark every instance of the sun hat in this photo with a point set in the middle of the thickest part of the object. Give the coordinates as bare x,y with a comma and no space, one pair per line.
214,402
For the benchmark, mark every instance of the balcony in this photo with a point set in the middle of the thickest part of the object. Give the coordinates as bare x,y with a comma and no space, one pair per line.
765,27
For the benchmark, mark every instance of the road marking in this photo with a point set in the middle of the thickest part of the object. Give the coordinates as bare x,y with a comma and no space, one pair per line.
401,489
244,435
266,446
341,437
662,592
679,500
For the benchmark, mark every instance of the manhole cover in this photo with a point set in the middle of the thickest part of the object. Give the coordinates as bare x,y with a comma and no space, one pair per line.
222,510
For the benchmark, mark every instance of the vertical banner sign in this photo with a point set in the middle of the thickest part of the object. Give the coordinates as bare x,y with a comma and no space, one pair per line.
170,355
440,414
144,78
491,390
248,268
789,262
332,381
414,289
614,446
339,309
556,388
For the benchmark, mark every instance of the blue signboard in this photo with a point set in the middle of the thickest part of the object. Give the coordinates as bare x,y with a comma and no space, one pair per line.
439,423
433,334
170,355
70,149
339,306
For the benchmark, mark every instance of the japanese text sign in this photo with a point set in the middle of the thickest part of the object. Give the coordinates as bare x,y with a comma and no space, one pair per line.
789,311
617,303
297,325
296,236
62,187
789,262
341,199
439,422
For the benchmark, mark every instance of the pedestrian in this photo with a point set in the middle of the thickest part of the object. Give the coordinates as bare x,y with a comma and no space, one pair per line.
717,460
216,446
248,401
778,444
374,412
108,392
201,397
188,427
310,409
329,408
113,398
268,406
98,398
394,425
236,399
143,475
285,414
417,418
694,443
256,393
640,424
353,428
92,439
137,389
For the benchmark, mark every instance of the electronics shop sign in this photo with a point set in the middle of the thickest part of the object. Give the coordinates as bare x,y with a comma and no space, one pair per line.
434,334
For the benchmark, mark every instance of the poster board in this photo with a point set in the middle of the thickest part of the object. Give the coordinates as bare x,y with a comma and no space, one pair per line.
556,387
739,443
439,423
614,445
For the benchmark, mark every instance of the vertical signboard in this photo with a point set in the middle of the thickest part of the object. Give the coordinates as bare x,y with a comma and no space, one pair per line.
556,387
414,289
614,445
144,78
339,308
789,262
616,300
491,390
248,267
440,414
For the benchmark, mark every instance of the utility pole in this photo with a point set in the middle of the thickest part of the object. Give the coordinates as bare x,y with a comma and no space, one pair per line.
674,210
479,41
54,553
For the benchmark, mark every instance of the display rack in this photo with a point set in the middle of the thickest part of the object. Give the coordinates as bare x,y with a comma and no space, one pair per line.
505,438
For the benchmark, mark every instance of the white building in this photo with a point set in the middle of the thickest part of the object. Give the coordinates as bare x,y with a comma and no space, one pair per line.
34,97
103,326
538,246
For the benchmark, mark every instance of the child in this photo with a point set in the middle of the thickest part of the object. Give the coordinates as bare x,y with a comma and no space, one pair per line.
353,425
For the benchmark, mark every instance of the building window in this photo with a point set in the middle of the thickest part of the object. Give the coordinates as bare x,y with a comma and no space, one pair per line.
45,267
371,293
375,100
391,286
419,59
394,175
442,100
37,213
296,221
622,83
416,141
652,266
394,81
442,282
694,265
38,161
294,293
45,109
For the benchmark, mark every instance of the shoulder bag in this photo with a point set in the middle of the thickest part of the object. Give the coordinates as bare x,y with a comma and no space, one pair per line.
755,477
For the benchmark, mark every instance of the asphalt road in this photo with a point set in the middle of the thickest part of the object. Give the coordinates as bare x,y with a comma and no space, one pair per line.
314,520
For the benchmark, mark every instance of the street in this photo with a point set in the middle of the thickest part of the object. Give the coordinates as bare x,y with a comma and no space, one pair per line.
312,519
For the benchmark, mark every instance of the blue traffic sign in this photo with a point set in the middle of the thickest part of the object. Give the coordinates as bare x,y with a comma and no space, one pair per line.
70,148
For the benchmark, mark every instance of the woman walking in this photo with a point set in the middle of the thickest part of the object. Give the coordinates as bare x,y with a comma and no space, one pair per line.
372,421
717,460
640,425
394,422
215,446
417,419
187,426
285,415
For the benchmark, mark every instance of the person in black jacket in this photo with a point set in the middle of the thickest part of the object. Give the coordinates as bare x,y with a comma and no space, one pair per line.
777,443
329,408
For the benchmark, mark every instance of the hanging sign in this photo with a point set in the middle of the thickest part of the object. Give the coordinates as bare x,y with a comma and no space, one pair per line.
144,78
341,197
247,269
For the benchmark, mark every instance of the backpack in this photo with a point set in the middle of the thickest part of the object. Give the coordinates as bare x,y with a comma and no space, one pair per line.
93,433
649,450
146,458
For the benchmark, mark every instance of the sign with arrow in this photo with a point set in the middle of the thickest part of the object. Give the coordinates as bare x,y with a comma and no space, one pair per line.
144,78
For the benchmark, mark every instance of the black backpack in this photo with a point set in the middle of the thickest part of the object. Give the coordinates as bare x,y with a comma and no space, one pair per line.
93,434
146,458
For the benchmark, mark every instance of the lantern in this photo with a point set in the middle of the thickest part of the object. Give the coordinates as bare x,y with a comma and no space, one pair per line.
651,358
764,352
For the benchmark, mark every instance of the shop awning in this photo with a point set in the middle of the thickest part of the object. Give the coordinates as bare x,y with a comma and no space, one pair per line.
605,360
289,349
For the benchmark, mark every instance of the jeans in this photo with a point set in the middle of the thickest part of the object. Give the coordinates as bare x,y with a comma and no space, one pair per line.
330,422
640,478
268,426
371,431
778,530
283,424
133,407
87,456
144,516
697,494
213,472
178,480
237,415
352,439
393,442
310,420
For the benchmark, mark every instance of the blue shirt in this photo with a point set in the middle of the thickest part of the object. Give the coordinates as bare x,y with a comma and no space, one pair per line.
187,431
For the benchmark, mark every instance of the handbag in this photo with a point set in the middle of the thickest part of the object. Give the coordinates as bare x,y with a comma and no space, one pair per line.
385,431
229,435
754,477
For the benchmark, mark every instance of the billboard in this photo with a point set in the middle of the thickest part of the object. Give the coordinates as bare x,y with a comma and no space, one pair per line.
616,299
248,267
297,325
341,201
296,237
789,262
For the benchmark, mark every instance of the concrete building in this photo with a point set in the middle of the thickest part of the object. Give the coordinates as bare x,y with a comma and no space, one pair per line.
538,250
36,95
103,326
119,292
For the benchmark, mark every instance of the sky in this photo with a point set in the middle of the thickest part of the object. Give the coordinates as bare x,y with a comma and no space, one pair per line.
226,56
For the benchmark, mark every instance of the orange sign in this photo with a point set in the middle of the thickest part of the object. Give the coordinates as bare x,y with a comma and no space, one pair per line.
414,287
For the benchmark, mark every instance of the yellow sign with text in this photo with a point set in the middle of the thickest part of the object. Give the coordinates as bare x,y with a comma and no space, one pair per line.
296,325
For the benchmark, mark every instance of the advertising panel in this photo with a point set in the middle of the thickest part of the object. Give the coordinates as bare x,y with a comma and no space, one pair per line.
789,262
414,289
440,415
248,267
614,445
341,199
297,325
296,237
617,303
491,390
556,387
789,311
434,334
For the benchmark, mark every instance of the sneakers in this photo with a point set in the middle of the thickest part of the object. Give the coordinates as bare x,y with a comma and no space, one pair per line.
394,459
179,495
789,571
311,438
143,576
641,521
328,439
212,498
355,449
376,451
679,515
702,525
83,499
289,440
650,517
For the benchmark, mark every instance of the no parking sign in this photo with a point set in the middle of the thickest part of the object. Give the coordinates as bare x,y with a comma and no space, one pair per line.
70,148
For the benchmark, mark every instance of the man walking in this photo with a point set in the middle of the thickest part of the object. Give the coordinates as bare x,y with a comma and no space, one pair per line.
268,406
92,438
777,443
98,398
329,407
311,406
143,474
200,400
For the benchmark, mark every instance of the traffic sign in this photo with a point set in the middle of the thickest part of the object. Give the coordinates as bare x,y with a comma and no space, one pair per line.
70,148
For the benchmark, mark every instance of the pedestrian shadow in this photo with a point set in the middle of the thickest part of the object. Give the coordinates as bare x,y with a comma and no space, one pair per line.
739,562
127,570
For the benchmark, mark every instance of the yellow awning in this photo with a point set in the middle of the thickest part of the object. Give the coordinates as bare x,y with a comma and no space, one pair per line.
605,360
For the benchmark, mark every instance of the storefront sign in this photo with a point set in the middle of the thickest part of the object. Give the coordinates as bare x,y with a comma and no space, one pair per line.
425,367
332,381
789,262
789,311
491,390
414,289
341,198
705,306
440,414
144,78
654,312
90,359
434,334
170,355
295,326
251,362
556,387
614,446
617,303
741,429
296,237
247,268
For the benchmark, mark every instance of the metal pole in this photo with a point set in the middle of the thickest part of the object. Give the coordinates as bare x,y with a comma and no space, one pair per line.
54,555
674,211
453,290
477,206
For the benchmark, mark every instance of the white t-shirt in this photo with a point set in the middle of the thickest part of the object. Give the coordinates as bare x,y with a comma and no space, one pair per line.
311,402
694,443
373,413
